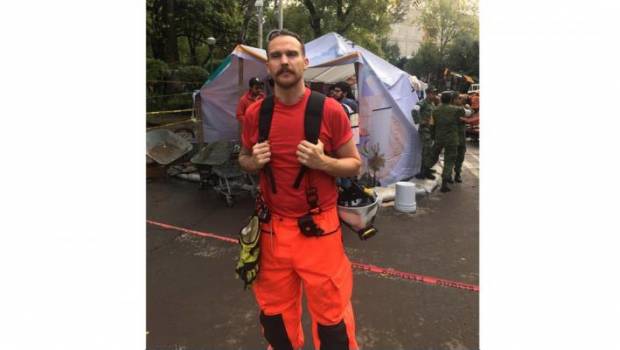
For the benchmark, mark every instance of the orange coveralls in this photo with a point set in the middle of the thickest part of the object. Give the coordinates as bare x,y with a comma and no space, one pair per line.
290,260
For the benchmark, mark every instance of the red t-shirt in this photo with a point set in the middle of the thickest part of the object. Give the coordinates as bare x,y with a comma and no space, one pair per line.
287,131
244,102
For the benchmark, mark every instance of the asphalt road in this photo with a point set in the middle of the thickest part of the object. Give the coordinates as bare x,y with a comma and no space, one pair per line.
194,301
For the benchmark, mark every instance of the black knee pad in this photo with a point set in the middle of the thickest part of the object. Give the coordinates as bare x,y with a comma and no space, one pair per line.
333,337
275,332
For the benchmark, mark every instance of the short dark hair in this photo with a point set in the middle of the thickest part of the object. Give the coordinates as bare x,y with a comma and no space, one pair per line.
284,32
446,96
255,81
346,88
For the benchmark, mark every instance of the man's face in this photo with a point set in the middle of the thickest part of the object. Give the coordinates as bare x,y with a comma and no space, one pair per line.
338,93
285,61
256,89
458,101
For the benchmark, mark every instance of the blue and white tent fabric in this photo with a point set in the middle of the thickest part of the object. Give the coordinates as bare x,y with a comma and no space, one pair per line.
389,142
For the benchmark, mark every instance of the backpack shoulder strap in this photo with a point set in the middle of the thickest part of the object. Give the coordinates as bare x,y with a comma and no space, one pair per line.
264,126
264,118
312,126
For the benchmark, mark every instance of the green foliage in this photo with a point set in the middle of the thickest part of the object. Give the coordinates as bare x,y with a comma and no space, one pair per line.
426,62
193,21
451,28
169,89
391,51
156,69
463,55
365,22
192,74
444,20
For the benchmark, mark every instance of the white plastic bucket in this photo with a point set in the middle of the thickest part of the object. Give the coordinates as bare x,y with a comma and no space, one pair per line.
405,197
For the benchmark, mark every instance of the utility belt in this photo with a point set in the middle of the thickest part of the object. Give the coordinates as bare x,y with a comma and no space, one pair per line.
307,223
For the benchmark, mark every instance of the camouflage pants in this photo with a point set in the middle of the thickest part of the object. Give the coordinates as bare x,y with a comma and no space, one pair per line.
449,157
460,157
426,138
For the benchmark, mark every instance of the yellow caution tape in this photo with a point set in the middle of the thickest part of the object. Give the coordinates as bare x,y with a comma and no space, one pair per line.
171,124
166,112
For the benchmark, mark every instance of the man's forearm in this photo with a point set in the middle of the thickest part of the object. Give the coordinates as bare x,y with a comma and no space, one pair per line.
342,167
247,164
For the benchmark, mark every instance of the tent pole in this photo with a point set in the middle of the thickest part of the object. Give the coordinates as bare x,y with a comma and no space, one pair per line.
240,82
357,79
239,92
198,113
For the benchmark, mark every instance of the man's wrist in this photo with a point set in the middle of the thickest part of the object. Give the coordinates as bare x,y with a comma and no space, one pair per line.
327,163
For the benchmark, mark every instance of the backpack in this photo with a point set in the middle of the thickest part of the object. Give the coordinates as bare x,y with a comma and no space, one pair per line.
312,127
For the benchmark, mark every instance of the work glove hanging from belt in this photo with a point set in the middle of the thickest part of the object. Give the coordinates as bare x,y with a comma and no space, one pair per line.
247,266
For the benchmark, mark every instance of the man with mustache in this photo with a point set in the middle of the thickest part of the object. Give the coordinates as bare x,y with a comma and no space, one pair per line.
290,257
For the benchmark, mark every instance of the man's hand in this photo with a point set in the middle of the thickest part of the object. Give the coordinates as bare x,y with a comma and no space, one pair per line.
261,154
311,155
345,164
254,160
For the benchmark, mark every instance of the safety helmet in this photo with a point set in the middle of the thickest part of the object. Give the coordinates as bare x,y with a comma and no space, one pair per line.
357,208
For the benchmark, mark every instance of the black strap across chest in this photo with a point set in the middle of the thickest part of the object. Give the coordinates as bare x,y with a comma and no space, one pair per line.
312,127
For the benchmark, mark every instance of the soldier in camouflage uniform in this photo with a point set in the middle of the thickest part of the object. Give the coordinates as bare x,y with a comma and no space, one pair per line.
461,147
423,115
447,118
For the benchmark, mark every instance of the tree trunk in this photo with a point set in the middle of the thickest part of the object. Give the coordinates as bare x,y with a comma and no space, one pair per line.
192,51
155,38
171,48
157,45
315,18
247,16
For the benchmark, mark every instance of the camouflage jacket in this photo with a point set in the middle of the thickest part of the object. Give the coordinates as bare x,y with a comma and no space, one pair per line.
447,120
425,114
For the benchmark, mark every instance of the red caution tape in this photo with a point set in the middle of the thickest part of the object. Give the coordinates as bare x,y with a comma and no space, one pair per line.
415,277
410,276
193,232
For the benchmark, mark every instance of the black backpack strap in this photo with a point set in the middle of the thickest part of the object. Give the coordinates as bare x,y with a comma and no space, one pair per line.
264,118
264,126
312,126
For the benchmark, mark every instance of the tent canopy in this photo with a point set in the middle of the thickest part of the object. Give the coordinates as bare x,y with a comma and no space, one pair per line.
389,142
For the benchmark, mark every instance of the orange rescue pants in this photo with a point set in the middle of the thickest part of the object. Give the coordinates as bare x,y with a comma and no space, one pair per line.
289,261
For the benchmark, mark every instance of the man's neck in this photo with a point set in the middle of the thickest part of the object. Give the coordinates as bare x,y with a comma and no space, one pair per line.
292,95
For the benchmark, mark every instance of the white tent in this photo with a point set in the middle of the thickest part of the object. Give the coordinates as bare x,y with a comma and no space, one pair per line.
389,142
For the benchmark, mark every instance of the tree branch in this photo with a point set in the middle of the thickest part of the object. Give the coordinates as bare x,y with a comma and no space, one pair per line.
315,18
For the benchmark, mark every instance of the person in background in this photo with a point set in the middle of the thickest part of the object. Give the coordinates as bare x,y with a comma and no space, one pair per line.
422,115
330,91
447,118
458,101
254,93
342,93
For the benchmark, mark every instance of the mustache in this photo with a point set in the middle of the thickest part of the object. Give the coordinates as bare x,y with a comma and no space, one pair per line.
284,70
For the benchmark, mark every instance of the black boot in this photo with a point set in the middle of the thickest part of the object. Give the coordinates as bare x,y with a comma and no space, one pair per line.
449,180
457,178
444,186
